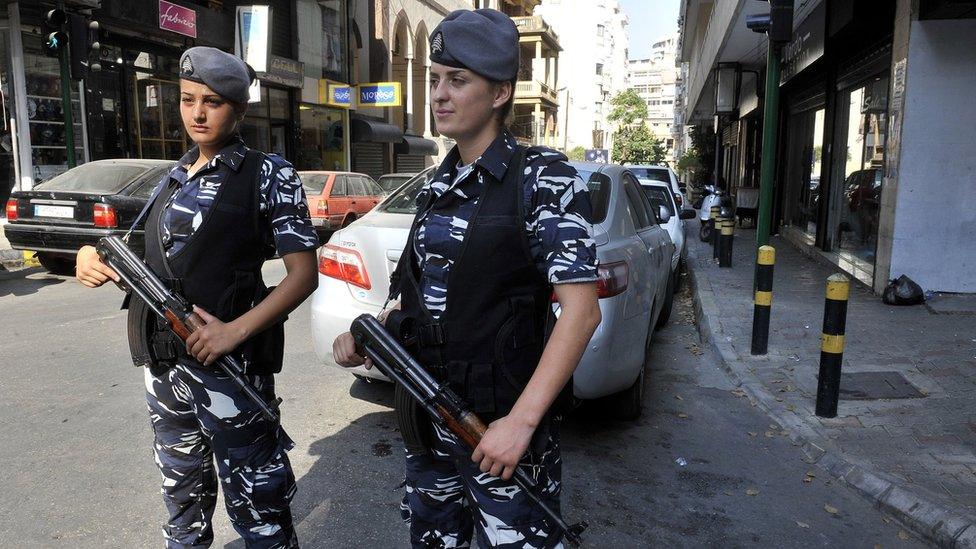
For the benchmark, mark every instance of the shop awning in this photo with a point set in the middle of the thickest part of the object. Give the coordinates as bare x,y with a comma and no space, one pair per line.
414,144
366,130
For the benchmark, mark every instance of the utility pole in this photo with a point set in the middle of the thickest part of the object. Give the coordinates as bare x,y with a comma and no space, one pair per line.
778,27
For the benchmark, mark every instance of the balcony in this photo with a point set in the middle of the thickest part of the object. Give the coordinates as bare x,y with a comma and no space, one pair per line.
536,26
535,90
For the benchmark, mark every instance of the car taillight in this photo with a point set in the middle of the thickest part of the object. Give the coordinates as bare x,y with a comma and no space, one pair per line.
344,264
104,216
11,209
612,279
322,209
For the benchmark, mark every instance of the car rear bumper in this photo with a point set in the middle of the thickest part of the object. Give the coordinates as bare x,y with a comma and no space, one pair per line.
57,239
333,310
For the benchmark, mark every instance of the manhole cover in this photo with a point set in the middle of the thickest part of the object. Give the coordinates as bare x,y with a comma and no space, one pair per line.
876,386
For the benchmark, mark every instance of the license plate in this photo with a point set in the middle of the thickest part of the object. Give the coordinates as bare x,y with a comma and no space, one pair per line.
67,212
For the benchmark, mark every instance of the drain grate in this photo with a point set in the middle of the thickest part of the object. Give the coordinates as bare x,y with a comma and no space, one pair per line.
876,386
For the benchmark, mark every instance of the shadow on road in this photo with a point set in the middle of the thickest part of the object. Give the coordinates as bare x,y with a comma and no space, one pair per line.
26,281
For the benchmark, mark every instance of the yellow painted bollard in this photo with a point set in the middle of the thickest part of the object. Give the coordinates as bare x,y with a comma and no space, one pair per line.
725,243
713,232
30,259
764,299
832,344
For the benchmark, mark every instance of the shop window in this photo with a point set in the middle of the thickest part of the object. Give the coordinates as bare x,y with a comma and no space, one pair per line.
322,138
803,169
159,128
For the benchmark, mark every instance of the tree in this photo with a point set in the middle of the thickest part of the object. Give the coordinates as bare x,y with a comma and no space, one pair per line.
633,142
576,153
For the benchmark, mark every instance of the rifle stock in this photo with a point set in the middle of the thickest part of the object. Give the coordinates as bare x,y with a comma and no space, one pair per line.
442,404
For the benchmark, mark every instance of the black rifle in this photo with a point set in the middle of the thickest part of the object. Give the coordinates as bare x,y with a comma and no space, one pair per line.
172,309
441,403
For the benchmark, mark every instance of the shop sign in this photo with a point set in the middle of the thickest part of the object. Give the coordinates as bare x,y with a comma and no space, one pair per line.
251,36
335,94
379,94
807,45
284,71
177,19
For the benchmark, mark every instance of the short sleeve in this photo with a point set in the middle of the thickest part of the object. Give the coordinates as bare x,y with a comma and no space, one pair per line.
557,220
283,199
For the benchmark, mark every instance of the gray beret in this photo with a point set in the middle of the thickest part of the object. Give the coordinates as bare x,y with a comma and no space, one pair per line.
222,72
483,41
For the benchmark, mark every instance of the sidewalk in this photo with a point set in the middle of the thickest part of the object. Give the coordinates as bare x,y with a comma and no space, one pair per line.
905,435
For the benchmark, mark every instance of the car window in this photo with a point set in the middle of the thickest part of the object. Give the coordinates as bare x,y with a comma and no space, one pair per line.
147,184
404,200
372,188
659,196
97,177
598,188
355,187
639,206
651,174
339,186
314,182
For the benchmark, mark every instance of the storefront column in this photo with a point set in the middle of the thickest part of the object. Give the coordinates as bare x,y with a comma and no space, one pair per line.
409,106
427,120
25,167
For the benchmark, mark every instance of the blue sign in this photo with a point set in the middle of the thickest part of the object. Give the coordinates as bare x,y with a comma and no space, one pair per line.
380,94
341,95
597,155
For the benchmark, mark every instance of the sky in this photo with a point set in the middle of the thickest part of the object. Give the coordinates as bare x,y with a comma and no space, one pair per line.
649,20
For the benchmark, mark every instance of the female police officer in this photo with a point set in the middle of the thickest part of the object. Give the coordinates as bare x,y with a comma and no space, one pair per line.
221,211
498,227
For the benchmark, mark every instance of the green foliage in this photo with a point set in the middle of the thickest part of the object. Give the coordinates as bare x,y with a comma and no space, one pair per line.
628,108
689,161
636,145
577,154
703,143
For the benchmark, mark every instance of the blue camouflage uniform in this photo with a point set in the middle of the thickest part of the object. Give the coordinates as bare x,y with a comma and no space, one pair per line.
442,485
198,416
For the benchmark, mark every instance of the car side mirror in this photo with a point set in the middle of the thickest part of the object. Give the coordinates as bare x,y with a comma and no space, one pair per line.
663,214
686,214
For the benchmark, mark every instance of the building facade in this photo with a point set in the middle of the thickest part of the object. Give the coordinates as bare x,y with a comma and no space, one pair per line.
594,41
654,79
876,146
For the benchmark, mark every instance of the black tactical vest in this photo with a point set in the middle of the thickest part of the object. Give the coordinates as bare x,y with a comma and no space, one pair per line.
219,267
491,335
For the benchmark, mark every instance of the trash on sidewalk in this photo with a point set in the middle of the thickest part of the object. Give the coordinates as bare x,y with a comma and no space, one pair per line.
681,462
903,291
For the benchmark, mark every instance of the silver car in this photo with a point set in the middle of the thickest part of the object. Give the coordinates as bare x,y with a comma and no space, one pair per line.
634,286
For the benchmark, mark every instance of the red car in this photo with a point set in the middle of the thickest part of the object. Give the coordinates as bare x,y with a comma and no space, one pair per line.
336,199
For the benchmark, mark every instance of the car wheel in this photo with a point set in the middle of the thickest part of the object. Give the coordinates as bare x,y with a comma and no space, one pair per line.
627,404
348,221
56,264
678,280
665,314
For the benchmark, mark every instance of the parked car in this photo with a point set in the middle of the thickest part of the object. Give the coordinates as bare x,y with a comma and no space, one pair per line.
634,286
101,198
662,200
646,173
392,181
336,199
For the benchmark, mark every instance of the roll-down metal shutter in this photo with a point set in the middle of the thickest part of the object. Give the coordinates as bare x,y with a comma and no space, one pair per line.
367,158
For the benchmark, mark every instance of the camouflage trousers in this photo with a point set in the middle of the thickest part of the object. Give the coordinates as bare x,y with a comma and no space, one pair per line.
448,498
199,418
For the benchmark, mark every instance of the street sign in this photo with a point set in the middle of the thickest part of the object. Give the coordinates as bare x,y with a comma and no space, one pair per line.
597,155
379,94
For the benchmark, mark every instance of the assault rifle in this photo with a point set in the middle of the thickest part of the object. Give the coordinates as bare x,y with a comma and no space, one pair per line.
173,309
441,403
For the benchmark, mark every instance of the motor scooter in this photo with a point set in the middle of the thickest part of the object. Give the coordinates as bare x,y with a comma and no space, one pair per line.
713,196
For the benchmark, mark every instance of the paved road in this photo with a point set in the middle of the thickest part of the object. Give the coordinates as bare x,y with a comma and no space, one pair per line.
701,468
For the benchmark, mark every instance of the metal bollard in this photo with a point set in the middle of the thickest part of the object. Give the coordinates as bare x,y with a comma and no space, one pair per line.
832,344
725,243
763,300
713,235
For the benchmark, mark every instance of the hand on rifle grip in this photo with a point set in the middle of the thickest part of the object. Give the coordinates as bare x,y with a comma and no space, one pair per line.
90,270
348,353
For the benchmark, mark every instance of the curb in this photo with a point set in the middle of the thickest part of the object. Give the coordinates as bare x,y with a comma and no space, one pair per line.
942,525
11,259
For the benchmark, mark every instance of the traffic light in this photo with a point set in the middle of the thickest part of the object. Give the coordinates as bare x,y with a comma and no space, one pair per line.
777,24
84,42
55,41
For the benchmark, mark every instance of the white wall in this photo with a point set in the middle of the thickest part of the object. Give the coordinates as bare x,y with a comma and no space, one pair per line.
935,208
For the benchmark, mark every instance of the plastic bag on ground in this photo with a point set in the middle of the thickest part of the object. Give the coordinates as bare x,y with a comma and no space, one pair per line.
903,291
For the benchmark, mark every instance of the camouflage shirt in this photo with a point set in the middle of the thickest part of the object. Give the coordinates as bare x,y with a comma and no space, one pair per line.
282,199
556,206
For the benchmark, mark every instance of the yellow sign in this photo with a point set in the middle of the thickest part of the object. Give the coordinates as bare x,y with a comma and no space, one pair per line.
379,94
335,94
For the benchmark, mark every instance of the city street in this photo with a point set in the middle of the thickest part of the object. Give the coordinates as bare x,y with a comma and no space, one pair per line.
702,467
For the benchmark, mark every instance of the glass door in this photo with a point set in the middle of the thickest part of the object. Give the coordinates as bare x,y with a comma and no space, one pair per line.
159,129
803,168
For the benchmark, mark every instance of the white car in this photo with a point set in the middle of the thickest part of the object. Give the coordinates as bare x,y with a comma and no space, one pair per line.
635,287
663,200
647,173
